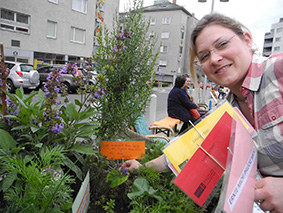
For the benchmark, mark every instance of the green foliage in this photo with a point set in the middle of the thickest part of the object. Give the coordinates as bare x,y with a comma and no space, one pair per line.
109,206
149,191
116,178
142,187
40,185
33,128
125,60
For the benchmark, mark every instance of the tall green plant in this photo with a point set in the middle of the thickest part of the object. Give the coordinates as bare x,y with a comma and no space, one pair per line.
125,58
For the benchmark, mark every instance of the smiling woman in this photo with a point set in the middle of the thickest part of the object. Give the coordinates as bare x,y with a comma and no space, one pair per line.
256,89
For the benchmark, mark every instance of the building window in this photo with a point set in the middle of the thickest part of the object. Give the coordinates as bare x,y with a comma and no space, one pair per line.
15,43
11,20
7,14
181,50
152,34
165,35
21,18
279,30
162,63
164,49
77,35
54,1
152,21
277,39
79,5
51,29
166,20
182,35
277,48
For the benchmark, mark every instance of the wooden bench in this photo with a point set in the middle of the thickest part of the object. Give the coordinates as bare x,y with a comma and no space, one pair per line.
167,126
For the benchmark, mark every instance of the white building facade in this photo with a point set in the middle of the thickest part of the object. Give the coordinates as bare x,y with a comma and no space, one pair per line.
172,25
51,31
273,40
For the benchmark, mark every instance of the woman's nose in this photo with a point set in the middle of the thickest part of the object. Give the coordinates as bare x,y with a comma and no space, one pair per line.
215,57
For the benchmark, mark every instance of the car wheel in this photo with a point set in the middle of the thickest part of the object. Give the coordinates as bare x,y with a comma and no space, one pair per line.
10,86
66,87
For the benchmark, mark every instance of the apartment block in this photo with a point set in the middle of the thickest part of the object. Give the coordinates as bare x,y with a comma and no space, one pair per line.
172,25
52,31
273,40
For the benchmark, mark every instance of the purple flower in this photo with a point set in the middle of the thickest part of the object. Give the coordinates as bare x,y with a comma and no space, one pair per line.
34,121
57,128
64,70
74,66
57,113
96,95
124,171
117,164
56,89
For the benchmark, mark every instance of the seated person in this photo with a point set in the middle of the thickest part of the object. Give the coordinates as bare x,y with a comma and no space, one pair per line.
179,104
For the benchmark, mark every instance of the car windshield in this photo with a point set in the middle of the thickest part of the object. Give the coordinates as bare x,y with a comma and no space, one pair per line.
26,67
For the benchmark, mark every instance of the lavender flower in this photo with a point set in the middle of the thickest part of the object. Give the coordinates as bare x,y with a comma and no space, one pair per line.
124,171
64,70
57,128
56,89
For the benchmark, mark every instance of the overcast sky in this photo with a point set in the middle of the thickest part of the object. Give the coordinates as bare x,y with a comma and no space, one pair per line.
257,15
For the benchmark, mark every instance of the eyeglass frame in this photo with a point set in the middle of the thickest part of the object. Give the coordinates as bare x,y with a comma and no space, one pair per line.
217,48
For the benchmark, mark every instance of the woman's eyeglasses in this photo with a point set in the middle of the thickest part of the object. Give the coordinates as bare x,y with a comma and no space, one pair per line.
220,46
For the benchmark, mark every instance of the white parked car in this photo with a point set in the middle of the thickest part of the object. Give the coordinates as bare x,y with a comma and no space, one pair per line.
21,75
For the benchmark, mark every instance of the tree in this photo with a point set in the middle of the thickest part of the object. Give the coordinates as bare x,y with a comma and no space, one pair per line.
125,61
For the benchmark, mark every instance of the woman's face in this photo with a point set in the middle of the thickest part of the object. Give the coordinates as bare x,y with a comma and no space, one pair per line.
187,82
225,57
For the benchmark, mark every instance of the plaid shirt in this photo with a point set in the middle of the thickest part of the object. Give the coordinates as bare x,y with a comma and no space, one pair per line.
263,88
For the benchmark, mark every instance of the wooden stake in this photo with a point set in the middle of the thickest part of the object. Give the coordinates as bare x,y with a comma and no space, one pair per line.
3,95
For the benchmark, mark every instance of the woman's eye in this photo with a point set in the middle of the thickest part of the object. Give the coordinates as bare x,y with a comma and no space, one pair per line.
204,57
222,44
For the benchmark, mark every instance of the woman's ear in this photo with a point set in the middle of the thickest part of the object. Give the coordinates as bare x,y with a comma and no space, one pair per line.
248,39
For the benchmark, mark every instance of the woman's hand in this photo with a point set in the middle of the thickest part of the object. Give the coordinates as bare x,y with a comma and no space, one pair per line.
269,191
130,165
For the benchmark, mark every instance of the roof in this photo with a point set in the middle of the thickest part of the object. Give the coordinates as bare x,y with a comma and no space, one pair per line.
165,6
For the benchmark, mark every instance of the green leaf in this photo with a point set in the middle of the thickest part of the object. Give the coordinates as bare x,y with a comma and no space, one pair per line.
6,140
72,166
116,178
140,187
83,148
8,181
78,103
71,112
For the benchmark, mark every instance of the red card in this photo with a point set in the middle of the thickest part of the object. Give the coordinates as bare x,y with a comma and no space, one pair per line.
202,172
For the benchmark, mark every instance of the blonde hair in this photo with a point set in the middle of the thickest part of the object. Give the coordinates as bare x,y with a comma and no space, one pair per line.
208,20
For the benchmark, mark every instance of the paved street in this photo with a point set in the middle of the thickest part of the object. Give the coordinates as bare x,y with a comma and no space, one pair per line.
161,104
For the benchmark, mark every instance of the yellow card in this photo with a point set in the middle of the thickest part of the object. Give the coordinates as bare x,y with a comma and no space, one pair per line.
184,147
